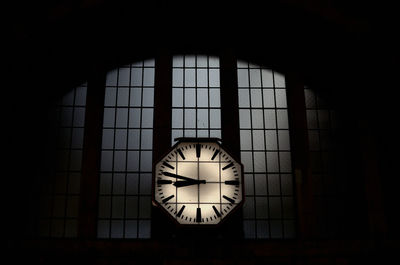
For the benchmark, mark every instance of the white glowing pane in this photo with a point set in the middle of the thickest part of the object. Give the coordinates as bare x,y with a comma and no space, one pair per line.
190,61
190,98
255,78
209,193
190,78
243,78
208,171
267,79
201,61
110,96
213,76
136,76
123,76
177,61
279,80
202,78
281,98
188,194
123,96
256,98
177,78
202,118
213,61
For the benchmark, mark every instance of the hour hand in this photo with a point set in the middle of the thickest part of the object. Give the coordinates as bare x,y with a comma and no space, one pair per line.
188,183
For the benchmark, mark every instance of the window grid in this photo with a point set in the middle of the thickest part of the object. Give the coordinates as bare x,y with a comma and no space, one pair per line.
196,107
60,190
125,177
265,153
323,162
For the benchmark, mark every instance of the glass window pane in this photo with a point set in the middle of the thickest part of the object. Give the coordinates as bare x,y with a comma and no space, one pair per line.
274,185
177,78
284,140
111,79
269,98
272,162
261,207
133,139
148,77
177,61
121,117
132,207
256,98
245,140
136,97
136,76
255,78
148,97
259,162
271,139
119,160
267,79
244,99
285,162
244,119
247,160
123,77
282,117
213,61
215,98
248,208
190,118
202,98
258,140
110,96
257,119
202,118
215,118
190,61
190,79
145,161
190,98
177,97
147,139
123,96
279,80
118,184
202,61
243,78
260,184
147,118
281,98
213,77
177,118
120,138
202,79
133,161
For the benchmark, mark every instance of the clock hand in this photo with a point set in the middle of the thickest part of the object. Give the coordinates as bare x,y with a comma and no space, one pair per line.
188,183
172,175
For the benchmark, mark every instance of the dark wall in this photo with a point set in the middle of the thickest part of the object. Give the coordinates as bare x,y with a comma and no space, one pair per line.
344,50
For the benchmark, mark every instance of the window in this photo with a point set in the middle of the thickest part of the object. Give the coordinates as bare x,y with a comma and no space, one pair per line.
60,187
125,171
126,161
265,153
196,107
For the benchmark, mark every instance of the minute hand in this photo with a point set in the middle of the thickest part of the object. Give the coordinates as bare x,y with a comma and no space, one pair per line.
168,174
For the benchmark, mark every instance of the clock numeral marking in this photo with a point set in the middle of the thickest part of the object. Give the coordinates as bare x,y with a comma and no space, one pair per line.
168,198
215,154
168,165
216,211
198,150
198,215
232,182
228,199
181,154
228,166
164,181
180,211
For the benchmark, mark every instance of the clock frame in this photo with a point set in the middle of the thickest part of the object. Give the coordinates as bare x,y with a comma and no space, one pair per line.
198,182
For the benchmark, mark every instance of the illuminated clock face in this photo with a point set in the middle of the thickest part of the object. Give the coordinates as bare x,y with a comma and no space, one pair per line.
198,183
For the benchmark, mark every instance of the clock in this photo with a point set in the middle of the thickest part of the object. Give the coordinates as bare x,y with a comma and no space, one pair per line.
198,182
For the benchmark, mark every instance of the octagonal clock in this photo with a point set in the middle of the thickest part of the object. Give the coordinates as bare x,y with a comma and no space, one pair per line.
198,182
